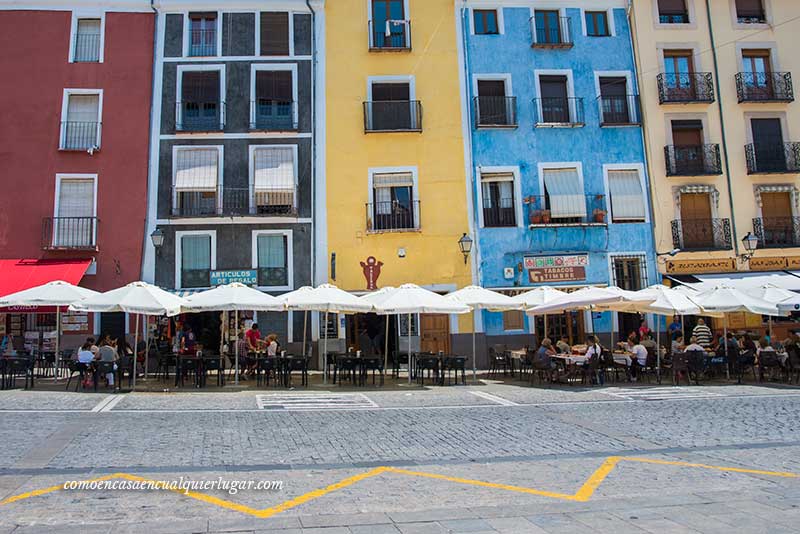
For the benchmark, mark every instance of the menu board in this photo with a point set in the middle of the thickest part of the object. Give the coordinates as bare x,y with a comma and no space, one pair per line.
31,341
3,317
49,341
17,324
75,322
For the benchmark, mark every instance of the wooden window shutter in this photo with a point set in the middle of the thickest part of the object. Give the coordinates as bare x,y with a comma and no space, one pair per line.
671,7
749,8
200,86
274,34
274,85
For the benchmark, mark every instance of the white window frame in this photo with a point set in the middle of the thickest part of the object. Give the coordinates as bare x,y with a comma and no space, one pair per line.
639,168
179,89
406,10
501,28
410,79
415,204
220,168
690,10
76,176
512,169
766,4
573,115
65,115
629,90
78,15
713,199
186,32
257,47
612,27
252,171
545,165
504,77
289,257
267,67
179,257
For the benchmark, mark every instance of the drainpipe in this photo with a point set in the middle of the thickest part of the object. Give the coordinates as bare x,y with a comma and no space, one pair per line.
722,127
146,238
313,140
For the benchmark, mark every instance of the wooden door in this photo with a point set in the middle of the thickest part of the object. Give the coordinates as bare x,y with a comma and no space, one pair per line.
435,333
555,104
688,150
696,223
776,219
768,144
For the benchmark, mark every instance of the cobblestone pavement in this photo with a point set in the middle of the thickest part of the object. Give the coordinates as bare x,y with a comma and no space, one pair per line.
552,440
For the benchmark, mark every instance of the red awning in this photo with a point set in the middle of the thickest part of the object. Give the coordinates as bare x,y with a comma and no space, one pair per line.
19,274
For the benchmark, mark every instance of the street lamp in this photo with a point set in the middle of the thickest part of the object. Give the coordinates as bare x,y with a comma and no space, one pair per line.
465,244
750,243
157,237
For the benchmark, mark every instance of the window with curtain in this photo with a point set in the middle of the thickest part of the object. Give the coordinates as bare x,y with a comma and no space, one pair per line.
627,197
497,192
564,193
74,225
196,182
81,128
195,261
87,41
273,180
273,260
393,205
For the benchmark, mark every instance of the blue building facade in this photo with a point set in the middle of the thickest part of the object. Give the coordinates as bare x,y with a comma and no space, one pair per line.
560,192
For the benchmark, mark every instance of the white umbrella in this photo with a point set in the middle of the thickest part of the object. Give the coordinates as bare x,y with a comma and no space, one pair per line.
726,299
786,300
57,293
537,297
139,298
479,298
233,297
411,299
325,298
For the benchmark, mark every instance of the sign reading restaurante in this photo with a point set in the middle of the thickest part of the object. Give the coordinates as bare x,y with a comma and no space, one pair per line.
562,268
246,277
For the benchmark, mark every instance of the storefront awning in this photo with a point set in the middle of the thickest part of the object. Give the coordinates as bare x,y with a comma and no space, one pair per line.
19,274
784,279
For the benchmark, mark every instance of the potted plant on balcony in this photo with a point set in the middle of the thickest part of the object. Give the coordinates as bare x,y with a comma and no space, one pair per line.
535,217
546,218
599,215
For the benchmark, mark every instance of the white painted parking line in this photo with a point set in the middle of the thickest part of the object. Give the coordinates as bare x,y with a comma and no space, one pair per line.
109,405
494,398
314,401
102,404
660,393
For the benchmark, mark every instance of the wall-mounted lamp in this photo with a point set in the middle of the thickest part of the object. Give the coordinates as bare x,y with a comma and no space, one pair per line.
750,243
465,245
157,237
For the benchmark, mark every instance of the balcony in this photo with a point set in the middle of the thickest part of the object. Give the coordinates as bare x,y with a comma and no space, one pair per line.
772,158
764,87
685,88
495,111
555,36
558,112
566,210
392,116
270,202
673,18
69,233
620,110
272,116
203,42
390,36
200,116
701,234
777,232
499,213
692,160
80,135
392,216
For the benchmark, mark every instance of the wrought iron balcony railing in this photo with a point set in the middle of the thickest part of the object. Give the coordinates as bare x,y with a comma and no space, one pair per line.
87,48
233,201
393,216
692,160
777,232
69,233
390,36
685,87
772,158
273,115
80,135
495,111
499,212
551,210
203,42
701,234
200,116
393,116
619,110
764,87
674,18
546,35
556,111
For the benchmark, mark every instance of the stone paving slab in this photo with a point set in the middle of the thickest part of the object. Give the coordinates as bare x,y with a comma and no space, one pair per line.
18,399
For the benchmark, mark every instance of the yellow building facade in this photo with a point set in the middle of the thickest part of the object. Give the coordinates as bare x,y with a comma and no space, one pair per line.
396,196
721,128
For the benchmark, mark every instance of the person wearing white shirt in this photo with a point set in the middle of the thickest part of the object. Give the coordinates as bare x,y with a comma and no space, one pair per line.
638,359
693,345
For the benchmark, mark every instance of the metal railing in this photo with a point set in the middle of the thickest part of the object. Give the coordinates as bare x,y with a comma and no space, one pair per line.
206,116
87,48
692,160
80,135
617,110
764,87
393,116
499,212
701,234
561,210
69,233
777,232
233,201
495,111
392,216
768,158
203,42
558,111
685,87
272,115
674,18
390,35
545,36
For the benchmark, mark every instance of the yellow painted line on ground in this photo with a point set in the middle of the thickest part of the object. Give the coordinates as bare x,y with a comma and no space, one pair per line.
583,494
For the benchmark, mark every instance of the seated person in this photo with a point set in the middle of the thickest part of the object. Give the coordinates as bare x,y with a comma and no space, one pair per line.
544,353
638,359
648,342
764,346
677,344
563,345
693,345
85,355
272,345
593,348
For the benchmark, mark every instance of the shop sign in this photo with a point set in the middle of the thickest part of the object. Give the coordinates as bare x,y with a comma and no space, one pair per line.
793,263
560,268
371,270
769,264
722,265
247,277
568,260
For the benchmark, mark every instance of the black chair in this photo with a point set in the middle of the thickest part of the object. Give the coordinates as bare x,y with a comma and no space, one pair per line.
374,364
430,363
455,364
770,362
213,363
125,366
526,363
266,368
100,370
399,359
793,364
16,367
746,360
544,370
164,361
498,361
75,367
696,364
680,366
292,364
188,366
348,368
650,366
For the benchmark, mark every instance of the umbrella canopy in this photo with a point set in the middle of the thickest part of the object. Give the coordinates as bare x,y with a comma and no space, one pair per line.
410,298
607,298
376,297
325,298
479,298
786,300
725,299
666,301
136,297
232,297
538,296
57,293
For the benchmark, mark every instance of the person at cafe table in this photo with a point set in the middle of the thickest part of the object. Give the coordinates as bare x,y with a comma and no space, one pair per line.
544,354
693,345
563,345
638,359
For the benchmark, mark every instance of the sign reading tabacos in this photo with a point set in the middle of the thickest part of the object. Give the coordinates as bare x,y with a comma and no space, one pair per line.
562,268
